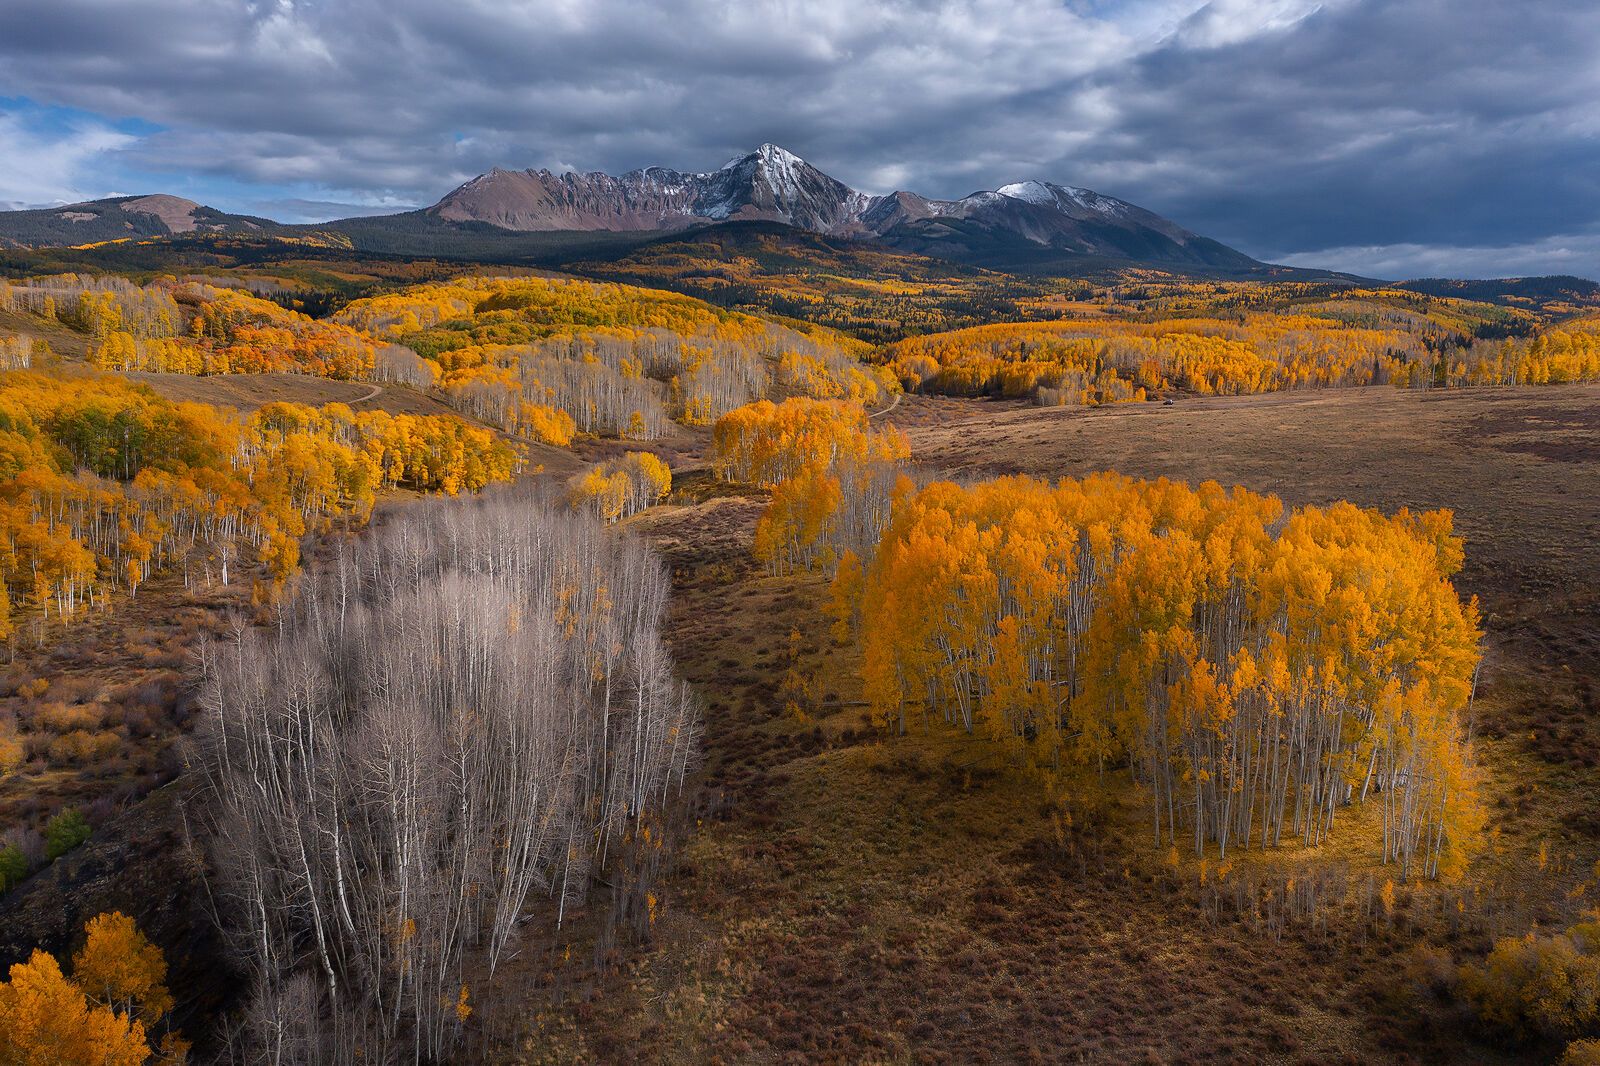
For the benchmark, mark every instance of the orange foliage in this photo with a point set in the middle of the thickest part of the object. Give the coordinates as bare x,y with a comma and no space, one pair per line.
231,332
1359,338
1098,361
120,968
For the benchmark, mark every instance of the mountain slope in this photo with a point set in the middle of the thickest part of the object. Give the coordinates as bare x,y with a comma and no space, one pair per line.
774,185
119,218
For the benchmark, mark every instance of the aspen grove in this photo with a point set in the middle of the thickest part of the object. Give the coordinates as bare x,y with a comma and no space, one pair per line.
462,724
1257,670
103,483
528,353
621,487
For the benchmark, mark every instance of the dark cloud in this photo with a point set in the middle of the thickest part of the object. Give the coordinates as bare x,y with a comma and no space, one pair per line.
1377,132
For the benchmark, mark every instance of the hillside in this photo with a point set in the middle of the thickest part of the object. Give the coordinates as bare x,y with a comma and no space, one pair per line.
1559,294
119,218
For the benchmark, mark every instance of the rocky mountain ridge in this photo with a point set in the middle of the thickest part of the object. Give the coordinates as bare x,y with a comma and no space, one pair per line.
774,185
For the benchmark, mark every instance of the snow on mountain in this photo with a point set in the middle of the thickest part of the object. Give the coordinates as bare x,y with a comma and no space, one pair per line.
1035,192
1064,197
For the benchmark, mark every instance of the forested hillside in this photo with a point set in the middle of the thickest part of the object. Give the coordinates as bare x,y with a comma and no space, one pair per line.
1358,338
615,360
118,218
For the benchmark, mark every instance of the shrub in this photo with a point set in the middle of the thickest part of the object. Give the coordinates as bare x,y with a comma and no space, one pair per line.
64,832
26,841
1431,970
65,718
1582,1053
1538,985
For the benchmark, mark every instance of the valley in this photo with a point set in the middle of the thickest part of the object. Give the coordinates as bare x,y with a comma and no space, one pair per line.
867,769
871,534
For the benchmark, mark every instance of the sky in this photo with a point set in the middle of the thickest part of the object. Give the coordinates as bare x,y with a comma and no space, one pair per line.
1392,139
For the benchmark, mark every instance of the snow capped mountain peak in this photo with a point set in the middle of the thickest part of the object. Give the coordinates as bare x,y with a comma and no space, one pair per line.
767,155
1064,198
775,153
774,183
1034,192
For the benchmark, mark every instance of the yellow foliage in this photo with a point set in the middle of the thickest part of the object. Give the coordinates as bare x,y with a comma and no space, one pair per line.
103,482
765,443
1107,360
119,968
228,332
1200,633
1537,985
622,487
614,359
1344,342
45,1020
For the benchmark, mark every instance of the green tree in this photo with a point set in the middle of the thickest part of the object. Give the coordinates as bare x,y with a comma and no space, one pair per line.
64,832
13,867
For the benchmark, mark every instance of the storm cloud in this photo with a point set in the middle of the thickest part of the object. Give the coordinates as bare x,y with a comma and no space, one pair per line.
1388,138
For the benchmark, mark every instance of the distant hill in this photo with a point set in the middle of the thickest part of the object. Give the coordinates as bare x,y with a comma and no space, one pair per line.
1551,294
601,224
119,218
775,185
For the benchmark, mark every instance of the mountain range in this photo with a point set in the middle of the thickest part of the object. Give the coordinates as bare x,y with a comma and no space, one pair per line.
506,209
772,184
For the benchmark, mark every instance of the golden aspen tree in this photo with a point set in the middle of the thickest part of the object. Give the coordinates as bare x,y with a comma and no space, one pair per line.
118,967
622,487
46,1020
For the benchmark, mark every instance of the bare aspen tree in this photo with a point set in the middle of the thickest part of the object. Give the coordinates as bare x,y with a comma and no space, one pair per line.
459,723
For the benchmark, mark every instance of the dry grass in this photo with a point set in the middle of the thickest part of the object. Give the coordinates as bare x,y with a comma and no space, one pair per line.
101,702
64,341
849,897
248,392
